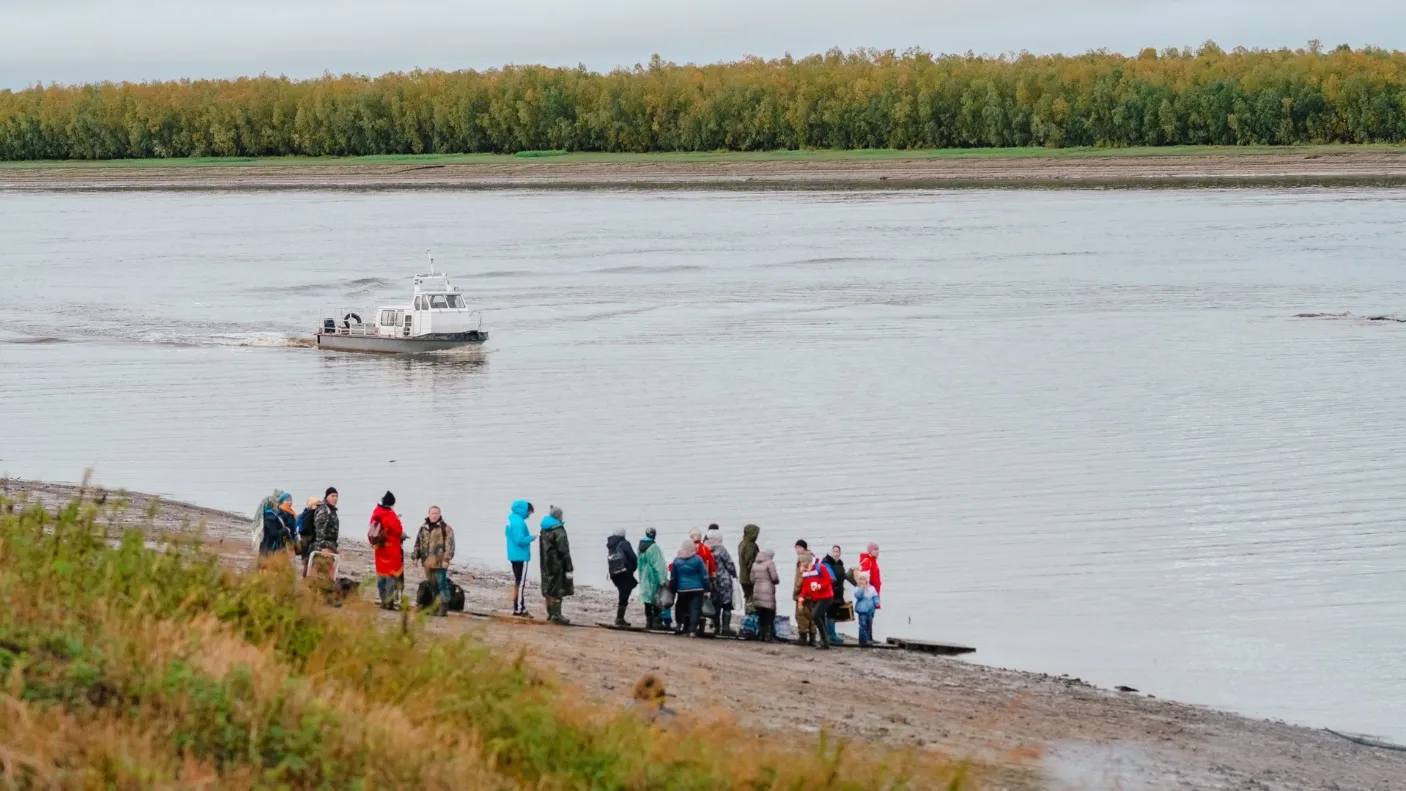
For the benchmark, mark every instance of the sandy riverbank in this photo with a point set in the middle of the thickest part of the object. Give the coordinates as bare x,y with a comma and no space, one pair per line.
1054,733
1328,166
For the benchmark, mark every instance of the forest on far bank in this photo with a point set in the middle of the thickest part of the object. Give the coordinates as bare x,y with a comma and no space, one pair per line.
838,100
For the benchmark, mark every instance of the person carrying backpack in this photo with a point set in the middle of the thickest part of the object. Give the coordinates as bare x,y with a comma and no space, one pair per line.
386,536
306,531
434,548
623,563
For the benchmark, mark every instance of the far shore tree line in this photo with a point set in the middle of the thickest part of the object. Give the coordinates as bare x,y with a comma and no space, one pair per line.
862,99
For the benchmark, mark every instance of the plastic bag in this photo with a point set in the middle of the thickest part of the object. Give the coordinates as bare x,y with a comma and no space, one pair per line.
783,628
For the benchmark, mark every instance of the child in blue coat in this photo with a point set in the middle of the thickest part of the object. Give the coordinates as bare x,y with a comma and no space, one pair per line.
866,601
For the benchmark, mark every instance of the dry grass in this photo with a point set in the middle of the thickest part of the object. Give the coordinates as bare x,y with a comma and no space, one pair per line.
127,667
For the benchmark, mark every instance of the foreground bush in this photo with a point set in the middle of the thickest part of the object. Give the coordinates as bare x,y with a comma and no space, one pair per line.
127,666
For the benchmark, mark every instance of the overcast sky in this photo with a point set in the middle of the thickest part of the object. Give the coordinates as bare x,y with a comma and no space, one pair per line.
91,40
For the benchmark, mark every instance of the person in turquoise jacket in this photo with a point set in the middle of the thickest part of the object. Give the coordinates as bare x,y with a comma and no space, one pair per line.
519,553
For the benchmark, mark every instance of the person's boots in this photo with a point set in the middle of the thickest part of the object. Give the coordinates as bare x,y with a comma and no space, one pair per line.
727,624
650,622
554,613
620,616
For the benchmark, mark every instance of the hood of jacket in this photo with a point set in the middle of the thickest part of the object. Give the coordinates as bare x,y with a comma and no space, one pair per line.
520,508
750,533
614,541
550,522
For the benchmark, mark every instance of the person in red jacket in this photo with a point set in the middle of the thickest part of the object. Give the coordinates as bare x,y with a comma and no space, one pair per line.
389,551
817,591
869,564
704,552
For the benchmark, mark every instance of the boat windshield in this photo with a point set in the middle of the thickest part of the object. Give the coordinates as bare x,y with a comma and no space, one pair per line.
443,301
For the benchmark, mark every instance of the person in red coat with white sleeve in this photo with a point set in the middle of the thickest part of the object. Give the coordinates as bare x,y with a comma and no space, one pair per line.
389,552
818,591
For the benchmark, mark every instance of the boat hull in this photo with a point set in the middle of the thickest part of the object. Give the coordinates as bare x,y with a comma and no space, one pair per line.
375,344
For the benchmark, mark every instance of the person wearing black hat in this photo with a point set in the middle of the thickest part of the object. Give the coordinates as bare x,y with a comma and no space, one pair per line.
654,577
327,531
386,535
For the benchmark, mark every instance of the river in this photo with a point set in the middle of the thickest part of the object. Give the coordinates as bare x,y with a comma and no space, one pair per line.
1085,427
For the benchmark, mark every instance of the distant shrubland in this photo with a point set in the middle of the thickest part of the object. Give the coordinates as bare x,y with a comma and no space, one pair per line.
863,99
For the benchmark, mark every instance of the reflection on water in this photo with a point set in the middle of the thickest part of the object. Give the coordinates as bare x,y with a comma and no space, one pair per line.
1084,427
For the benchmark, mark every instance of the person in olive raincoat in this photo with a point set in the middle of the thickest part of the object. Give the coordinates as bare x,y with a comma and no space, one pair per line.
555,553
746,557
654,574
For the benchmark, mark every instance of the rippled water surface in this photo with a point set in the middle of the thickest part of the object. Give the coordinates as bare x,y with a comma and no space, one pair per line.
1084,427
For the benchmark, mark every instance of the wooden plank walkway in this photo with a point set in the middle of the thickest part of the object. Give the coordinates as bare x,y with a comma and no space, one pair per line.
892,644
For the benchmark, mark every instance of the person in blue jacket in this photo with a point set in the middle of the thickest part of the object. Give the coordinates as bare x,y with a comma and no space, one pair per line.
688,579
519,553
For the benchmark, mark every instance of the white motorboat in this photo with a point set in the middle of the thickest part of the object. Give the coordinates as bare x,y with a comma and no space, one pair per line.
438,318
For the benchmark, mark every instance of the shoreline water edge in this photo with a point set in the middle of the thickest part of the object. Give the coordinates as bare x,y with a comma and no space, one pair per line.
1337,166
1047,732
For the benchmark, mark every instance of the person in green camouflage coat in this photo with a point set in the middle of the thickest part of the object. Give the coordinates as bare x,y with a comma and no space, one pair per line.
557,570
326,539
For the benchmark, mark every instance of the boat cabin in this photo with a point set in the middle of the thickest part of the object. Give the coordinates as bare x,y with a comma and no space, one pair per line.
436,307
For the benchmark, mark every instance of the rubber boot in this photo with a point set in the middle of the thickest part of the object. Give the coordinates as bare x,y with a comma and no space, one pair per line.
727,624
554,613
620,616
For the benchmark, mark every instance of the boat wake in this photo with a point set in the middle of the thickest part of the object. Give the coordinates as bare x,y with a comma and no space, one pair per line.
28,341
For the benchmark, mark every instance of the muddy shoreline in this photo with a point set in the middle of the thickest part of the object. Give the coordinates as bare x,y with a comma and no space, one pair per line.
1368,168
1044,732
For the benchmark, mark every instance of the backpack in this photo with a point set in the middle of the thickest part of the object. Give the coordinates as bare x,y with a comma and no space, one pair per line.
426,593
375,533
618,564
751,626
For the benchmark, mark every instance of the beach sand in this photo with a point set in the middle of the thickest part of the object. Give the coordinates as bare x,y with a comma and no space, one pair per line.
1336,166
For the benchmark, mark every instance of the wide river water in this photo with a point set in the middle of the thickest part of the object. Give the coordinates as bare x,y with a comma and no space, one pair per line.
1085,427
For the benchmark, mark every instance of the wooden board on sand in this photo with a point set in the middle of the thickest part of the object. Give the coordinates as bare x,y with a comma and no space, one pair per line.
923,646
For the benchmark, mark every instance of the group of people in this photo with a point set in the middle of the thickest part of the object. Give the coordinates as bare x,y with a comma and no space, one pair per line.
688,595
315,537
